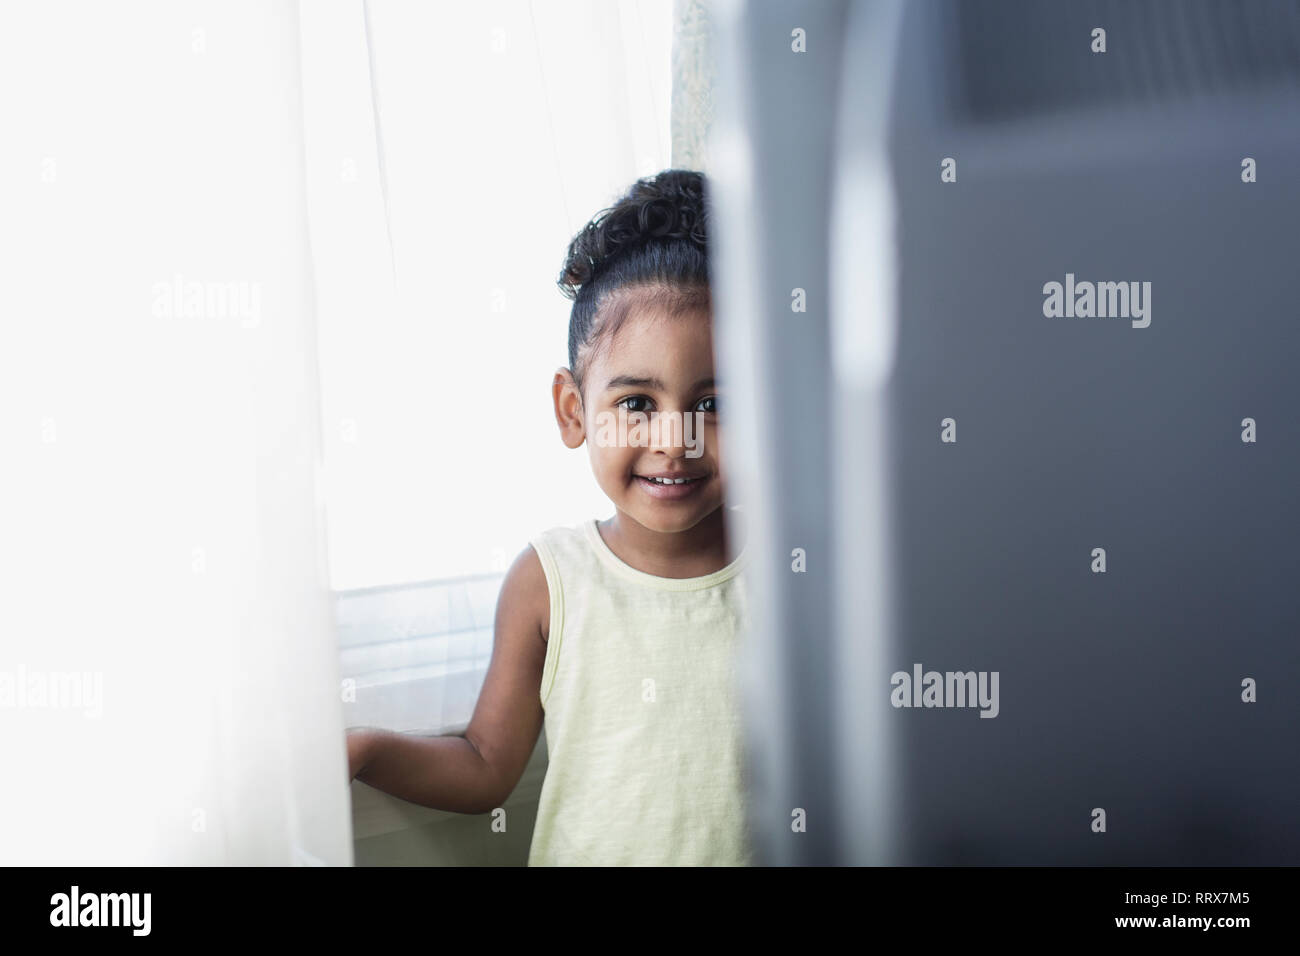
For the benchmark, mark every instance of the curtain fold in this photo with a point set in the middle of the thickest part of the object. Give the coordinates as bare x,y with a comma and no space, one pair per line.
168,667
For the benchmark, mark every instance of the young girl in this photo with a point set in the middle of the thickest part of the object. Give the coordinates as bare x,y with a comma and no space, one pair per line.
618,635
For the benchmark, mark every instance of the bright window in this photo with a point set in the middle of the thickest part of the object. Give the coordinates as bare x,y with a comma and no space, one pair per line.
451,159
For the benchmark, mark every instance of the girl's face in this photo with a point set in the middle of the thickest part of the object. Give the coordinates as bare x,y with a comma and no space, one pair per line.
660,365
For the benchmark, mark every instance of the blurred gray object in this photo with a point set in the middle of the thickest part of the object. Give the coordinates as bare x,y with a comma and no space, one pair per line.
925,301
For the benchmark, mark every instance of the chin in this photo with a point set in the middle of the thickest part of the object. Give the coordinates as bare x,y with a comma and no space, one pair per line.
667,520
665,524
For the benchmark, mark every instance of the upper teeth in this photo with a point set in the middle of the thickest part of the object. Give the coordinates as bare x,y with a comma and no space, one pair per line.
670,481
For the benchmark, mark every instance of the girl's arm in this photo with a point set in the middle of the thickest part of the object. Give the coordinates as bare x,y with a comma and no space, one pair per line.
475,773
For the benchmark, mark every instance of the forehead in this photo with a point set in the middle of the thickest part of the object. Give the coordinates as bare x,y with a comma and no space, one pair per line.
644,329
674,347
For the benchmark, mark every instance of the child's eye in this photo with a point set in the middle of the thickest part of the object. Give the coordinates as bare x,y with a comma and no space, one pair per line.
708,405
630,403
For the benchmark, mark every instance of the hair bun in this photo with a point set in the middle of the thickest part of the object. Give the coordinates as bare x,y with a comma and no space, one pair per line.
671,205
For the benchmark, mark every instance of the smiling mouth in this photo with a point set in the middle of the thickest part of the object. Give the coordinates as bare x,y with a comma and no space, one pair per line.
670,481
671,489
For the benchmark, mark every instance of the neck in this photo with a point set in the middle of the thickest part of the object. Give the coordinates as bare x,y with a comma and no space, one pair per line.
692,553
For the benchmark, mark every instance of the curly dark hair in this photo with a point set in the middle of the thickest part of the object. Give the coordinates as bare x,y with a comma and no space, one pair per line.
654,241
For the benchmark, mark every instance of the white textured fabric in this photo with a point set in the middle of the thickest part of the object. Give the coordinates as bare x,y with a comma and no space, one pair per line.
642,710
167,616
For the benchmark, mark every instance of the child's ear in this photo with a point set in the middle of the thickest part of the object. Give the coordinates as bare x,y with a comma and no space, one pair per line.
568,408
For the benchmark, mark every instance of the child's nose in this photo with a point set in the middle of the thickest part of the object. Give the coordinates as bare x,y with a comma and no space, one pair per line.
668,434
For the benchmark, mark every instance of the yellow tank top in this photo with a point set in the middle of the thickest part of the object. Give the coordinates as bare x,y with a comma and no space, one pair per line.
642,712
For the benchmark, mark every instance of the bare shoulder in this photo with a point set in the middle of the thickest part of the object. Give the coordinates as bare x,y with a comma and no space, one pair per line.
524,604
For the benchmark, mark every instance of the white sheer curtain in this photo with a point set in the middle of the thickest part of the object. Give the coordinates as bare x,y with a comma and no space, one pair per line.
169,671
168,668
451,160
502,129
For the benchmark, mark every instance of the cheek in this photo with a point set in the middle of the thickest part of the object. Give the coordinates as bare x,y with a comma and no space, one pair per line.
712,444
612,463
